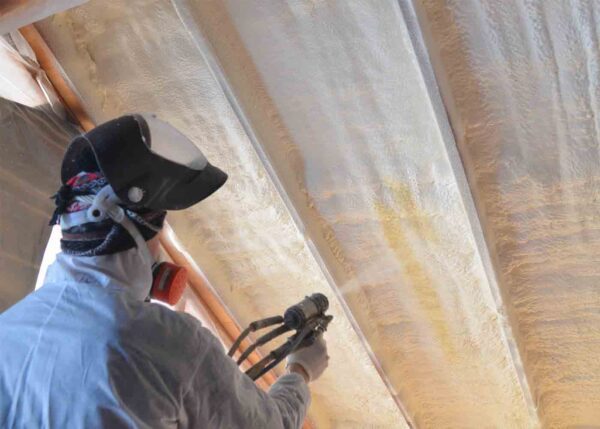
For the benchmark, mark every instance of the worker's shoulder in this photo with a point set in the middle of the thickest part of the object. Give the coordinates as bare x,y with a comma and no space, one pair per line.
164,326
163,316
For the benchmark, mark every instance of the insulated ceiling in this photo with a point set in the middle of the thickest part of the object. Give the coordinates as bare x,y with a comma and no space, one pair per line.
523,85
345,178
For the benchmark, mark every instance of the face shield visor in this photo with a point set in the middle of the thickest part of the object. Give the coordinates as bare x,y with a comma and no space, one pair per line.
148,163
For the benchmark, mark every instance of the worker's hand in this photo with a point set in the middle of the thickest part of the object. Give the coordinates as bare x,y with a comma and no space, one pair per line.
313,359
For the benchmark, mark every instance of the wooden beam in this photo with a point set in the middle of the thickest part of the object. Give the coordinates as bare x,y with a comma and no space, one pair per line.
53,70
17,13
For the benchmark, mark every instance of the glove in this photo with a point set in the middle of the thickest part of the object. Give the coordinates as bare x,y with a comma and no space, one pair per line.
313,359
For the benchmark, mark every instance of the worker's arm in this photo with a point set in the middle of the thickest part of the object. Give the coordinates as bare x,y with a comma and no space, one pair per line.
220,395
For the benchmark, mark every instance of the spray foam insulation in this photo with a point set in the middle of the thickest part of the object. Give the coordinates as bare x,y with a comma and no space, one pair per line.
473,290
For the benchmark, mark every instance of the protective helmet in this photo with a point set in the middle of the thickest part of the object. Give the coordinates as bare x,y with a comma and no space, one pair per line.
148,163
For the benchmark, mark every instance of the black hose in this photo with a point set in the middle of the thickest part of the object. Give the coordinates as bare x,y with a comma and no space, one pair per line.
254,326
262,340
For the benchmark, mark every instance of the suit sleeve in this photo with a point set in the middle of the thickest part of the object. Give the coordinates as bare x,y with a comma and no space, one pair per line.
222,396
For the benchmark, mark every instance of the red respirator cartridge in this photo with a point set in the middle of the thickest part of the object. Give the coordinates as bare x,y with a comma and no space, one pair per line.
168,282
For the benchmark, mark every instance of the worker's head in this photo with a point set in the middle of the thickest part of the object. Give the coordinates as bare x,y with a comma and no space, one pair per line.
140,166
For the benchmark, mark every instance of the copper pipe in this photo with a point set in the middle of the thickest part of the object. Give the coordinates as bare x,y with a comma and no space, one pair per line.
55,74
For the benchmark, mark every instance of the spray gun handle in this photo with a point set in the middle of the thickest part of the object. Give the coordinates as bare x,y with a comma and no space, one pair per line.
320,326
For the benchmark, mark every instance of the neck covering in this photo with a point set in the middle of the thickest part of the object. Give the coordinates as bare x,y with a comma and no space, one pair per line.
106,236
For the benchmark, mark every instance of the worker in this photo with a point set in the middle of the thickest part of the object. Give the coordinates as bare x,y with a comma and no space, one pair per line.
88,349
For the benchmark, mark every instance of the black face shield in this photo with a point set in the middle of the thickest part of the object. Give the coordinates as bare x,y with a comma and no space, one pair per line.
148,163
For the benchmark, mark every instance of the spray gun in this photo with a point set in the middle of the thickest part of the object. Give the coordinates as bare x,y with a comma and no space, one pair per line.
307,318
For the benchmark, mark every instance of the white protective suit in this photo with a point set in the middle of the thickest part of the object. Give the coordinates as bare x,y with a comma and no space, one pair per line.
85,351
